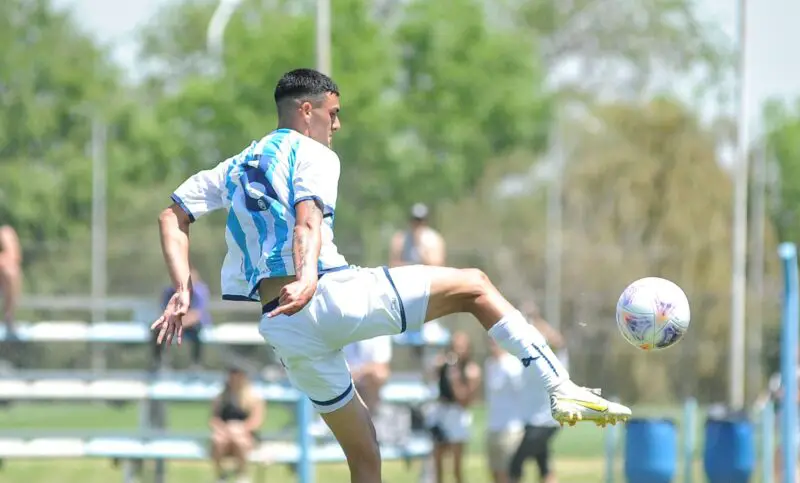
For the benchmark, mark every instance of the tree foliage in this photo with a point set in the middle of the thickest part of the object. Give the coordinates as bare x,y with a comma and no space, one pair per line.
443,102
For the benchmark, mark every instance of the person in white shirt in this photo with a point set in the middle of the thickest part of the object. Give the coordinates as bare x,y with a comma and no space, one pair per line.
369,364
540,427
503,390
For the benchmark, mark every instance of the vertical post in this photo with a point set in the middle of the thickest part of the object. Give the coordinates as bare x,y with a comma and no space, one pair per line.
554,229
689,438
768,443
324,36
305,464
215,33
789,339
755,321
612,436
739,263
99,233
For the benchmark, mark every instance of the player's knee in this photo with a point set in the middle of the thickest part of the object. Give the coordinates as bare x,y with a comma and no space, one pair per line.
475,284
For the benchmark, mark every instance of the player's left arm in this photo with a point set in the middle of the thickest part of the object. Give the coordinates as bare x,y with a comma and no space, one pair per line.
315,183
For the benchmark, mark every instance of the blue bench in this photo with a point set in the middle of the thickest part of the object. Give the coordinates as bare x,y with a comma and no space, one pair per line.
138,386
182,447
233,333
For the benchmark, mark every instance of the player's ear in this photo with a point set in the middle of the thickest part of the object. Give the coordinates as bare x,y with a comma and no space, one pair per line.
305,109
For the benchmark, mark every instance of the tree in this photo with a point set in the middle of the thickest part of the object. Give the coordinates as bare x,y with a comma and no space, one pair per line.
782,123
426,101
53,80
626,49
643,196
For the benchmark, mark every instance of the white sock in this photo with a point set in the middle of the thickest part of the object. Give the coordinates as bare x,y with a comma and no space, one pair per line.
515,335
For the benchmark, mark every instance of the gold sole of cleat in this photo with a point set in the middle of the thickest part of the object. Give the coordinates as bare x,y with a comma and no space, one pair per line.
573,418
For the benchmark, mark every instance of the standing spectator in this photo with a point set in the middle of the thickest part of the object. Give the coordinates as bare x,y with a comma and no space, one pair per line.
10,276
369,365
775,394
540,427
503,390
419,244
193,322
459,380
236,417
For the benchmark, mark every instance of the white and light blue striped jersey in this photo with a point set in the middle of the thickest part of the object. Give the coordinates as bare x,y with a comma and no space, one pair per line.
260,188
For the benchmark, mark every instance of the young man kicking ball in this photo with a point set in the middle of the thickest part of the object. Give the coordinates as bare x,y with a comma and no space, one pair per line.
280,194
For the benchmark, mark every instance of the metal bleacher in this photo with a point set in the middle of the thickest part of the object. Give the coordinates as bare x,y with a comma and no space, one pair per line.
296,446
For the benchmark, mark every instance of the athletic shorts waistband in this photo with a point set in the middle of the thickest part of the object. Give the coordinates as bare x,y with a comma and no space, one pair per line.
273,304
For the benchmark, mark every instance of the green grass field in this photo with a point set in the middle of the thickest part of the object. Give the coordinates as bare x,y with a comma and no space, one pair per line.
578,450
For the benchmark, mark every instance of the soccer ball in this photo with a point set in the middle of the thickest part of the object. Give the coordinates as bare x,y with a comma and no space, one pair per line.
653,313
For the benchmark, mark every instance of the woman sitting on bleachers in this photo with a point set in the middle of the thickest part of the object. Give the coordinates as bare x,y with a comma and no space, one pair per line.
235,421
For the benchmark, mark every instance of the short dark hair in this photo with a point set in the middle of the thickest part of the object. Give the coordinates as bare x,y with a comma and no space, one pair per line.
304,85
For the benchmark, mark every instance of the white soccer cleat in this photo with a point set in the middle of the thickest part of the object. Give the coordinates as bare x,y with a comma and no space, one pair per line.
570,403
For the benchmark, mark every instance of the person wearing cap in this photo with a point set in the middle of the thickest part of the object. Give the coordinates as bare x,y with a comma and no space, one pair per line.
236,417
419,244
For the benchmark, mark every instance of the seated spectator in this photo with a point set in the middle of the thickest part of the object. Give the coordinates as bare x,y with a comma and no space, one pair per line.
193,322
369,365
237,415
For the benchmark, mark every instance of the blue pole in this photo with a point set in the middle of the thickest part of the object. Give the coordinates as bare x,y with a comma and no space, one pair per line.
305,464
689,438
768,443
789,338
612,433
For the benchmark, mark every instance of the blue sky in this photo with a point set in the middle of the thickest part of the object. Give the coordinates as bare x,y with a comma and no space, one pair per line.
773,38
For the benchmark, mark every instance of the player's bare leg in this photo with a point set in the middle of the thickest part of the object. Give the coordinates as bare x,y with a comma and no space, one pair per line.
470,290
352,426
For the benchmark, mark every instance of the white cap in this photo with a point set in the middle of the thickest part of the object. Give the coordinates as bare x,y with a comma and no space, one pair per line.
419,211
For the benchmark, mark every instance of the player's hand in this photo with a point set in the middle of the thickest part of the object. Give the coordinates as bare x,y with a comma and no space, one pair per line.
170,324
294,297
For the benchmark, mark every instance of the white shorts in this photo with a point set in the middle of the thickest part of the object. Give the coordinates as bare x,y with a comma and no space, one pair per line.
350,305
451,423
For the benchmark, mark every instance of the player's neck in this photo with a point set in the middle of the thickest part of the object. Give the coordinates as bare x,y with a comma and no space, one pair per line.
287,125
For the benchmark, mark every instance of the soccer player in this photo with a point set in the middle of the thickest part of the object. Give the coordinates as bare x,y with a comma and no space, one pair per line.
280,194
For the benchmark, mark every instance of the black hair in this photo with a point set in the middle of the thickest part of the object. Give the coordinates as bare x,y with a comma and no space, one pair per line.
304,85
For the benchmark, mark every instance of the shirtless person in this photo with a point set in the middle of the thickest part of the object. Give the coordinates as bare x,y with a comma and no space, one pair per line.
10,275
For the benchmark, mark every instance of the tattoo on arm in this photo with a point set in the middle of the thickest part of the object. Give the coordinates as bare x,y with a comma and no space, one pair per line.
306,242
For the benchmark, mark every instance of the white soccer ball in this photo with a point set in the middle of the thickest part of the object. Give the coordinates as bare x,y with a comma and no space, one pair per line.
653,313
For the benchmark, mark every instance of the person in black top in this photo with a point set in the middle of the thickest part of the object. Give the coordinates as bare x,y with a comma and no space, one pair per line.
459,379
237,415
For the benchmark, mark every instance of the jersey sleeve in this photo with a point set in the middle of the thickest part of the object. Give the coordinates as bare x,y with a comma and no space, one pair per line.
316,177
204,192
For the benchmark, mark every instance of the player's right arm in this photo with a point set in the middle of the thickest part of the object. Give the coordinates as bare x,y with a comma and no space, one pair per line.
200,194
